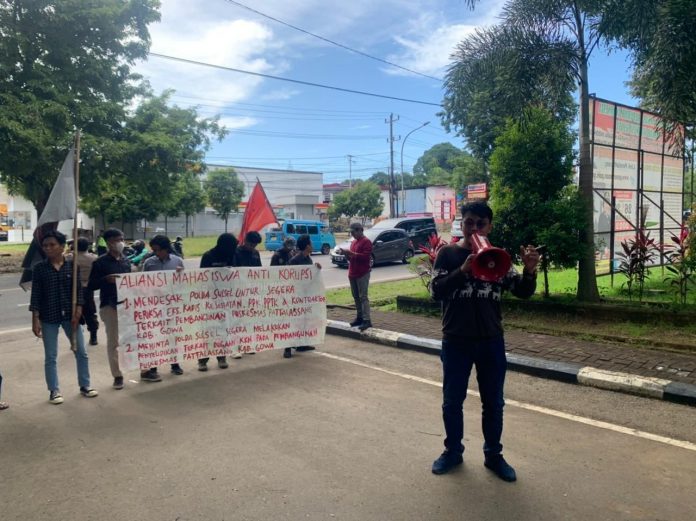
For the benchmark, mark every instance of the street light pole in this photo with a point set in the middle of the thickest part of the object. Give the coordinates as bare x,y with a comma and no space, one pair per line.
403,192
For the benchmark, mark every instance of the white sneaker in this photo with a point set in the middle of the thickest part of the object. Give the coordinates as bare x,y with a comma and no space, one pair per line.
55,398
237,355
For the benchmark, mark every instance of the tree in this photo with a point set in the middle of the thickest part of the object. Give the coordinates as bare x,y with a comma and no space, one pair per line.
540,42
437,163
468,170
190,196
661,39
224,191
531,168
64,65
379,178
364,200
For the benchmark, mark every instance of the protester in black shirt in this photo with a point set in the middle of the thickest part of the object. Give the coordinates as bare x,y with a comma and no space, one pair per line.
247,254
103,278
283,255
304,256
52,309
221,256
473,335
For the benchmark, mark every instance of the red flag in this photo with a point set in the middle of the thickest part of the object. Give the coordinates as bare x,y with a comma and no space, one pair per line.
258,212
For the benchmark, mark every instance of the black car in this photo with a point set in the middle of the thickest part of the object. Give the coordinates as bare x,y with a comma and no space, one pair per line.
419,229
391,245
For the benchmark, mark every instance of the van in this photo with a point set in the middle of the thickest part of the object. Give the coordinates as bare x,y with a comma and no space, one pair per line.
322,240
419,229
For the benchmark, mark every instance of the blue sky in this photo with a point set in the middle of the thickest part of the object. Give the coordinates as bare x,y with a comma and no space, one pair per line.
275,124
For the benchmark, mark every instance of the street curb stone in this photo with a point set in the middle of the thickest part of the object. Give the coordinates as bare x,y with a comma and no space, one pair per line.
659,388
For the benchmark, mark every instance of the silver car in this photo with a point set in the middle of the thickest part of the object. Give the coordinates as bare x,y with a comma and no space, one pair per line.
391,245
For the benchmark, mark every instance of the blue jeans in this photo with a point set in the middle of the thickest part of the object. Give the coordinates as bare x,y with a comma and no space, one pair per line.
457,360
49,332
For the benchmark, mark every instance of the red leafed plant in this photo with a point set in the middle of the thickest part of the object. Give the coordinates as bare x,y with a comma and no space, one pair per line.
683,265
423,264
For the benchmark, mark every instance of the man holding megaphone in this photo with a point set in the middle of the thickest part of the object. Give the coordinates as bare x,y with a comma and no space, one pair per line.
470,277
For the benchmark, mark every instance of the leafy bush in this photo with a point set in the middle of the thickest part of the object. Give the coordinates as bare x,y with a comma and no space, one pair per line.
682,266
637,256
422,265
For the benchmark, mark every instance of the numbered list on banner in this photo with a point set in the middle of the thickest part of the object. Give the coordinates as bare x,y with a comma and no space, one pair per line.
167,317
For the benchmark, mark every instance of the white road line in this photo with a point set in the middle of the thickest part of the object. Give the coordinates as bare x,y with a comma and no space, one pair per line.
20,330
535,408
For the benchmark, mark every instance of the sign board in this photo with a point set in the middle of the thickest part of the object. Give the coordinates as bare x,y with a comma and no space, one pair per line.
168,317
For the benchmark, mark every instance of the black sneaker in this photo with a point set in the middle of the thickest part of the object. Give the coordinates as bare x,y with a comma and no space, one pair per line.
150,376
304,348
222,362
500,467
176,369
365,325
356,322
88,392
287,353
202,366
55,397
447,461
93,338
118,383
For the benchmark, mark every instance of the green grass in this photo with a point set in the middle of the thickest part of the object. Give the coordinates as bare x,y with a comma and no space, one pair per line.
379,291
13,247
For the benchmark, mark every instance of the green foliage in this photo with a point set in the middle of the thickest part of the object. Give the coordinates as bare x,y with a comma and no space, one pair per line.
64,65
468,170
363,200
436,165
531,196
224,191
637,255
682,267
189,196
661,38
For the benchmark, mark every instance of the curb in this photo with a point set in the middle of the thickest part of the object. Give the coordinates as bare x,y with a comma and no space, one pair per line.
667,390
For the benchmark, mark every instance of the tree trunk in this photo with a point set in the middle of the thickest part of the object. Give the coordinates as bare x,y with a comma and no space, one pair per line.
587,275
545,268
166,226
186,216
226,217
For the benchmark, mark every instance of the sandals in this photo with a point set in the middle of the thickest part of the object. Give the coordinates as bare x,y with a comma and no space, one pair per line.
4,405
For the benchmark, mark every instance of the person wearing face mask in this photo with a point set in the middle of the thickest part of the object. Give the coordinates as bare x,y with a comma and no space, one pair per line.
103,278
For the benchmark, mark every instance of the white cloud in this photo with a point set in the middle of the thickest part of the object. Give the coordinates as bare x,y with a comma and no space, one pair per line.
280,95
236,122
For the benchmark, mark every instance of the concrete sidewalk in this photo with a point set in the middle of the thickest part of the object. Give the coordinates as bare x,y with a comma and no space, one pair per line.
665,375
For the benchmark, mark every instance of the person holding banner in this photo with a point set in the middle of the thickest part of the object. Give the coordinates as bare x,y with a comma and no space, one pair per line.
103,277
472,334
52,309
162,260
247,254
303,257
221,256
283,255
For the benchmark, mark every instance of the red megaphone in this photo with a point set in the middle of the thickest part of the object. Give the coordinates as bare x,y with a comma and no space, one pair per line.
490,264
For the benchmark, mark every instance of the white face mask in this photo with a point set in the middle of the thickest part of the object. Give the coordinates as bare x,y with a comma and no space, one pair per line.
119,246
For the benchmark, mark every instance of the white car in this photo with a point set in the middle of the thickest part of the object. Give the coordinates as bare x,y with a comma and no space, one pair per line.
457,228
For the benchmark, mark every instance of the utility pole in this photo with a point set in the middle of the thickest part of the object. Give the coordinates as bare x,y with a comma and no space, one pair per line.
392,181
350,170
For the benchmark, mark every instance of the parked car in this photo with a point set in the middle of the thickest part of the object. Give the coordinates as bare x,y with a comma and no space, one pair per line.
322,239
3,234
456,232
391,245
419,229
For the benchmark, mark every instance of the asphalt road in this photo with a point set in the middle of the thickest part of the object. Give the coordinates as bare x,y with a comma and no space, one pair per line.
346,432
14,301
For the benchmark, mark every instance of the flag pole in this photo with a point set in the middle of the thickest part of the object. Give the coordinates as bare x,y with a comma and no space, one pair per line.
75,282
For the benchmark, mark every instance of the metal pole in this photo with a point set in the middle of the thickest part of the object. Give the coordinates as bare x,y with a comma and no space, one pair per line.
403,192
75,282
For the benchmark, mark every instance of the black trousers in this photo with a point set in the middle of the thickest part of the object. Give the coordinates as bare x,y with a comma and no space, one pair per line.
89,311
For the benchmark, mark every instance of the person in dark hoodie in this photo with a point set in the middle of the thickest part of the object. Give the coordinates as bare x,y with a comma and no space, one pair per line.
283,255
221,256
472,334
303,256
247,254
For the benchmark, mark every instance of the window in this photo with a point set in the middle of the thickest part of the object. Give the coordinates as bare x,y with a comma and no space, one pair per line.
312,230
301,229
291,228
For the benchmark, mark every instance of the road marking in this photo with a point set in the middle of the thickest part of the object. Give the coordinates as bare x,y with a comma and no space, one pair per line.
11,289
535,408
20,330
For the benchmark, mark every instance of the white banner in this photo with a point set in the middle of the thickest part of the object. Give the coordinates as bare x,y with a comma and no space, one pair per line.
168,317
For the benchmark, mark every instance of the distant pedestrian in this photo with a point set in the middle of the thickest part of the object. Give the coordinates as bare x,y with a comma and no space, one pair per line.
52,309
3,405
282,256
359,259
103,278
221,256
84,260
472,334
247,254
162,260
303,256
178,246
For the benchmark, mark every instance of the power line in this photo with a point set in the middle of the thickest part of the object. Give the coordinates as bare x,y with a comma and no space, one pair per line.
331,41
300,82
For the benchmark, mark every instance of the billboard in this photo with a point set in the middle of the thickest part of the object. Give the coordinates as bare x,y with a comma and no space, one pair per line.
637,176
